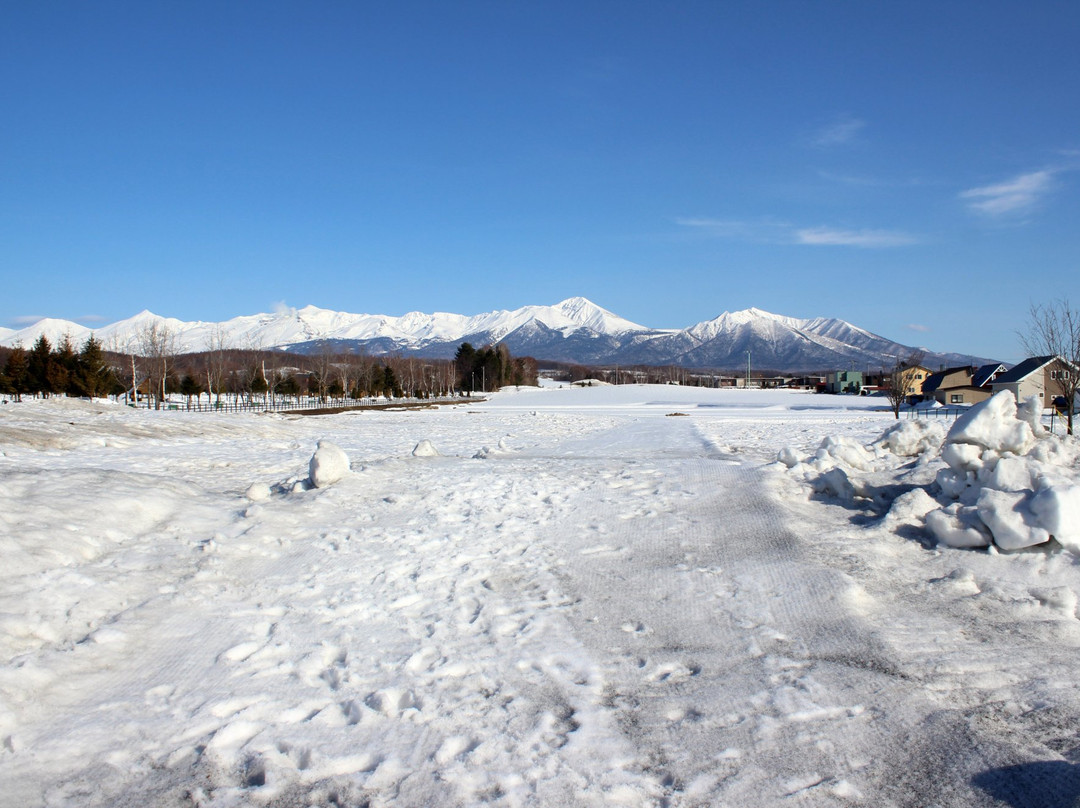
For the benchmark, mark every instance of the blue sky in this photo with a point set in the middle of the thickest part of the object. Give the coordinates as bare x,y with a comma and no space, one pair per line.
911,167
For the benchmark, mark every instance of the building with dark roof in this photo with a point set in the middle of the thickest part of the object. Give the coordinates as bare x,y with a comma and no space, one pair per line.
1036,376
961,385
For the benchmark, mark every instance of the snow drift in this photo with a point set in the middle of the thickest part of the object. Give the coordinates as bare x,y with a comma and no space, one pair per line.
1005,481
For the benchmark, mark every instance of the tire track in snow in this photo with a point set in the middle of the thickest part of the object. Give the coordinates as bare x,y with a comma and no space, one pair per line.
741,668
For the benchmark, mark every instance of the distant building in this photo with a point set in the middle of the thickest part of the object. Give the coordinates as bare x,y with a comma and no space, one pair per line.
1036,376
961,385
915,376
815,383
844,381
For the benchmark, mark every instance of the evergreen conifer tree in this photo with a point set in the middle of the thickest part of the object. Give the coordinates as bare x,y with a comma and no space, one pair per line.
464,363
17,373
189,387
37,370
64,368
93,377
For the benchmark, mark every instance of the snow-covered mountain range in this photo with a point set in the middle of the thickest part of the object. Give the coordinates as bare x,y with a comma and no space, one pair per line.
575,330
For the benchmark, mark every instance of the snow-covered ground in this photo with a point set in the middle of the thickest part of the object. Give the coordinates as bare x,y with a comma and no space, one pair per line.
598,596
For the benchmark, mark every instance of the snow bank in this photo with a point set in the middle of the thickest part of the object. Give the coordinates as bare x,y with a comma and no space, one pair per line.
328,465
838,466
999,471
904,439
994,425
1004,480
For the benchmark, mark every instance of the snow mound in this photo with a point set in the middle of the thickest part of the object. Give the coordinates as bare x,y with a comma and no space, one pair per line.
994,425
1000,472
912,438
328,465
789,457
258,492
958,526
847,452
1003,479
911,506
425,448
835,483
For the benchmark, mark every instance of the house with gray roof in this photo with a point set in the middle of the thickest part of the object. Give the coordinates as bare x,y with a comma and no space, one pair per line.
1036,376
962,385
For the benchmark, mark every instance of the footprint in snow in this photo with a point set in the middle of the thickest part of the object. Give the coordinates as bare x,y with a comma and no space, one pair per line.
392,702
299,756
672,672
455,748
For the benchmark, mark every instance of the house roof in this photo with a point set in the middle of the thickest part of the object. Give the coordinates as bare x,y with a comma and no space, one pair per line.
934,380
985,373
1024,369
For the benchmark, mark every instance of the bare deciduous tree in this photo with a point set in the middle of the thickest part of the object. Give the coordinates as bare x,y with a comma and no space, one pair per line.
1054,330
157,344
900,379
217,344
323,369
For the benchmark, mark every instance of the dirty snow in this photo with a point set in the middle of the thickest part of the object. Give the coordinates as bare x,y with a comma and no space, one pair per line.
575,599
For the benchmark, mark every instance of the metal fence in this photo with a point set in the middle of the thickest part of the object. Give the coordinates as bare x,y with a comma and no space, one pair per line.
301,404
943,413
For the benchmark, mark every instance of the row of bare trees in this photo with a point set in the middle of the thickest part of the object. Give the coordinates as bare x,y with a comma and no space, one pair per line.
152,367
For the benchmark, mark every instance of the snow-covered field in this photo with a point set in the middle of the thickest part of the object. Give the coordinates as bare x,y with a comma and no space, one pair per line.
600,596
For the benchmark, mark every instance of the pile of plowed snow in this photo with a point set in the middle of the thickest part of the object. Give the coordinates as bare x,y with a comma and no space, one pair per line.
1004,480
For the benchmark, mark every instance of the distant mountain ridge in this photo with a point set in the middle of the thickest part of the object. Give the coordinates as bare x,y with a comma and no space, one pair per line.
575,330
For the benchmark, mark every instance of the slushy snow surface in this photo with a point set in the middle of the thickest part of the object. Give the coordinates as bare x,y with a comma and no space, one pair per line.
575,600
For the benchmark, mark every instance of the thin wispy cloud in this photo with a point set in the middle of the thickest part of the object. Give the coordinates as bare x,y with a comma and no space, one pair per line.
90,318
868,181
841,130
775,232
922,329
851,179
829,236
27,319
761,230
1018,195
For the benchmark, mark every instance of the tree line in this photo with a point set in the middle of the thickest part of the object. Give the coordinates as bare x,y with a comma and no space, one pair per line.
156,369
492,367
45,370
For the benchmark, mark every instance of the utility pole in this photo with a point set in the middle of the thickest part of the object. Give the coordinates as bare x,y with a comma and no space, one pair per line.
748,370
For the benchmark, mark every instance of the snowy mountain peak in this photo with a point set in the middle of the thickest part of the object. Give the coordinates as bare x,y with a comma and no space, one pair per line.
586,313
767,315
53,329
574,330
578,307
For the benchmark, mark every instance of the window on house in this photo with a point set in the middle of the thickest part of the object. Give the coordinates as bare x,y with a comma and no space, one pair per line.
956,398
